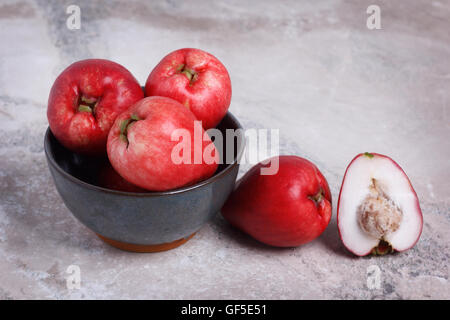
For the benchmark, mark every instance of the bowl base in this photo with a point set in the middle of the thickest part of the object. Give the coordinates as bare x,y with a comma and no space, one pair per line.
144,248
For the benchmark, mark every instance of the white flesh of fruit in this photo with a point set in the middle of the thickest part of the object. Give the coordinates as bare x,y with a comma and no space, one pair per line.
377,202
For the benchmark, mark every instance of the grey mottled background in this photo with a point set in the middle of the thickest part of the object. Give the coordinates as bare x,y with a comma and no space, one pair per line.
310,68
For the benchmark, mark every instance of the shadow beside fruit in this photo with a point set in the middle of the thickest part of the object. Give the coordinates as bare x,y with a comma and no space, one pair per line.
331,240
244,240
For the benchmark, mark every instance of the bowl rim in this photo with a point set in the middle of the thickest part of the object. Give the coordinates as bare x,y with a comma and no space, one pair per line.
200,184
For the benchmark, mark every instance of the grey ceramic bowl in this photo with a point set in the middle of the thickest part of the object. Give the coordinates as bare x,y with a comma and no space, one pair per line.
142,222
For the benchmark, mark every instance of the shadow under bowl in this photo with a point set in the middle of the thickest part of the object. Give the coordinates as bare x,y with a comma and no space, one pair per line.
142,222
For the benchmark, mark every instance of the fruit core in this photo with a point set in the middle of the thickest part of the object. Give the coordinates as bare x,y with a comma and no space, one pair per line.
87,104
378,215
189,73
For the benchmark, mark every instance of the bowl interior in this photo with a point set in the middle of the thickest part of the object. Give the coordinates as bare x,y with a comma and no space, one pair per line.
86,168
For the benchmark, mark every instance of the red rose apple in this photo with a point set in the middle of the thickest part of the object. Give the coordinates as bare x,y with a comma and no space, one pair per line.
85,100
108,178
378,209
286,209
196,79
144,146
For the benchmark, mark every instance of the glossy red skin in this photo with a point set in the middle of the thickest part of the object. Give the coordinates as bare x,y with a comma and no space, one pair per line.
208,97
146,161
412,189
112,84
108,178
275,209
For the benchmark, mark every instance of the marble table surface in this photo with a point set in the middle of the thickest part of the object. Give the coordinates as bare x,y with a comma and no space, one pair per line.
311,69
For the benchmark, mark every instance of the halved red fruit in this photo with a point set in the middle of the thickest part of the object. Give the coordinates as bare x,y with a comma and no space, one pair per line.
378,209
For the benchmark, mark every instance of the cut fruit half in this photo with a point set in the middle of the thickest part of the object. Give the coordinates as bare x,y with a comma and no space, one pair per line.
378,209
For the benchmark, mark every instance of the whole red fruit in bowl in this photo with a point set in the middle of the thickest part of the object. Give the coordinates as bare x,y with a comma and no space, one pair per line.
144,221
85,100
286,209
141,146
108,178
196,79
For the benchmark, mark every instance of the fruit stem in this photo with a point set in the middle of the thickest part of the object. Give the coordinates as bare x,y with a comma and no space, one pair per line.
135,117
84,108
88,100
189,73
317,198
125,125
87,104
382,248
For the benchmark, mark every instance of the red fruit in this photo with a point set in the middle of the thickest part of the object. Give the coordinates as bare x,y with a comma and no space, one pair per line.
196,79
108,178
287,209
85,100
378,209
141,145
